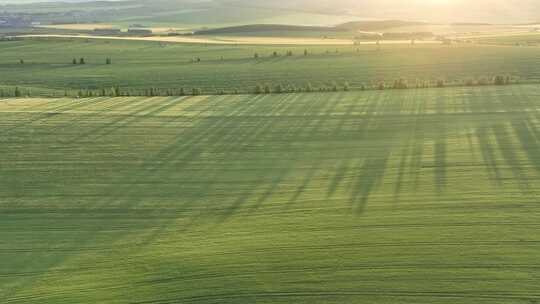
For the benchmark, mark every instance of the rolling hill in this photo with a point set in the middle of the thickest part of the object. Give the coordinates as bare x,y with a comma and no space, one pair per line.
215,13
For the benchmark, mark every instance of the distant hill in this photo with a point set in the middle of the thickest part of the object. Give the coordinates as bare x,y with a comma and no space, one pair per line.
254,28
221,13
377,25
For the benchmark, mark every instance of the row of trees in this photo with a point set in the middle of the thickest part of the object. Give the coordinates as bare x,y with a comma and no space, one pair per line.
398,84
76,61
288,53
403,84
290,88
16,92
83,61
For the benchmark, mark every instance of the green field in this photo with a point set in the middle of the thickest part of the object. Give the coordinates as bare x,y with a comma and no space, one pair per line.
530,39
140,65
416,196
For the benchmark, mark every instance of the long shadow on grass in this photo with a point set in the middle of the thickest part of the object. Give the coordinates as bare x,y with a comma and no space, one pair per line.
440,145
410,109
116,104
379,132
124,119
343,168
51,112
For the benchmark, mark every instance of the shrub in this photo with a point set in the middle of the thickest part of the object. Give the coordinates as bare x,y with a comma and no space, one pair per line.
267,89
258,89
381,86
196,92
108,61
82,61
346,87
440,83
279,89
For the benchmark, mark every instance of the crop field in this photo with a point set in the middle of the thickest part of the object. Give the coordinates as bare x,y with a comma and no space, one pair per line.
138,65
415,196
520,39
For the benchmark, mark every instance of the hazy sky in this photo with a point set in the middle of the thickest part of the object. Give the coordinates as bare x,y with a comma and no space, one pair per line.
494,11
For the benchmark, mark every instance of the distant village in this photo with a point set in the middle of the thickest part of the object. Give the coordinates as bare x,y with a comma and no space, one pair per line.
16,21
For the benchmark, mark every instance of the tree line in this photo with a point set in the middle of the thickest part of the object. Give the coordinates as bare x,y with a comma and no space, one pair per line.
280,88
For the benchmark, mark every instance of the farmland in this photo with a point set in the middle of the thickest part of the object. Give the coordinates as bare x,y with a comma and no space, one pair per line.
144,64
415,196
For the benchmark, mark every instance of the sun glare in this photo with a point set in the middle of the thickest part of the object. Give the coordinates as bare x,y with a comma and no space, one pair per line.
436,2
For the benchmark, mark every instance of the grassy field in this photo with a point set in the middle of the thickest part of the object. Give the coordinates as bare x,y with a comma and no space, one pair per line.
138,65
521,39
417,196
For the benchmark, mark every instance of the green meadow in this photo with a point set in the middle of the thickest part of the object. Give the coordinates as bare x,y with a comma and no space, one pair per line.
142,65
414,196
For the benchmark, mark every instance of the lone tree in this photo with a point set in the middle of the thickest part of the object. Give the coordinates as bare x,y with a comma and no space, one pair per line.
258,89
108,61
74,61
81,61
256,55
21,61
17,92
116,91
305,52
334,87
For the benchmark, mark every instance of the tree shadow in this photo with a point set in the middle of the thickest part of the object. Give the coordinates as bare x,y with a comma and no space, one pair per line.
131,118
61,109
440,146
